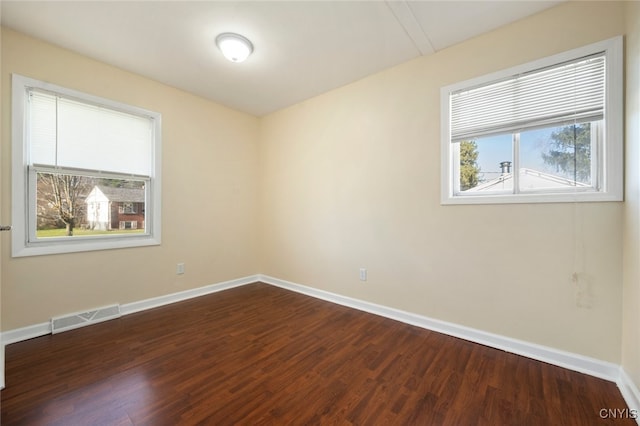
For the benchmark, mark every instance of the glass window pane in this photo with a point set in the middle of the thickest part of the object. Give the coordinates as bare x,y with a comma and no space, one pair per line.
79,206
556,157
486,165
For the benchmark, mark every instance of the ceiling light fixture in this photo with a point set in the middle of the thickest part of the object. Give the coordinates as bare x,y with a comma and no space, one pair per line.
234,47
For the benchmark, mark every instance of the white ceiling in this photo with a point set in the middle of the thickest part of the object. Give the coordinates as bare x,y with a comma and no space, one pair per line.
302,48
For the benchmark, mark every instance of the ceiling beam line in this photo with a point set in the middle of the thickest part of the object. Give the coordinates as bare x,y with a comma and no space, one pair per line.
407,19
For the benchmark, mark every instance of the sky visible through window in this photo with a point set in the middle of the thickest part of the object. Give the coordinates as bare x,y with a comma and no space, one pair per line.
493,150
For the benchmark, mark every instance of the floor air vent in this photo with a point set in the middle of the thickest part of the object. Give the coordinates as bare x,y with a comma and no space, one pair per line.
80,319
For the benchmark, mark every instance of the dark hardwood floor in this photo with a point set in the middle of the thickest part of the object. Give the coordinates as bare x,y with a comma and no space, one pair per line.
262,355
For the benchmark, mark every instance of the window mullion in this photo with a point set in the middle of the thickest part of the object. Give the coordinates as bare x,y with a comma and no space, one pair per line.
597,166
515,171
455,158
32,201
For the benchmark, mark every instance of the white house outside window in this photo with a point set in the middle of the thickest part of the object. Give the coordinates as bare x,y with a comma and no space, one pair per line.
547,131
71,180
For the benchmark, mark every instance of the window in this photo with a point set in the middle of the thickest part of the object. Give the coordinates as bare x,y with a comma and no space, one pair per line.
547,131
71,180
126,208
128,224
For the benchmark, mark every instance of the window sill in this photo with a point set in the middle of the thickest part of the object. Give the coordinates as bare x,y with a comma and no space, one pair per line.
581,197
81,245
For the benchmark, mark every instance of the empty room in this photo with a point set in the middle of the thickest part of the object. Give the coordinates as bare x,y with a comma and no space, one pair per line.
320,212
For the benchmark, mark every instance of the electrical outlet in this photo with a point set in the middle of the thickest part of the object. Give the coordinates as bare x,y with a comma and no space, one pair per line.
363,274
180,268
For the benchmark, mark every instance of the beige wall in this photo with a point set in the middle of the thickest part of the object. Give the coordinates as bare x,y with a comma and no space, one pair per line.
351,179
631,291
209,196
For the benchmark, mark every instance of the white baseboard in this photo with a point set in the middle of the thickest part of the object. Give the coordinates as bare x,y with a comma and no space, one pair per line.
143,305
591,366
1,367
42,329
629,392
26,333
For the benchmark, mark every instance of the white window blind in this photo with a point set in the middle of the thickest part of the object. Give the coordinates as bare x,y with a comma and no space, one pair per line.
573,91
70,134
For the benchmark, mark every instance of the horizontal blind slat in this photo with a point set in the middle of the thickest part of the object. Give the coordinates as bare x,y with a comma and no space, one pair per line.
564,93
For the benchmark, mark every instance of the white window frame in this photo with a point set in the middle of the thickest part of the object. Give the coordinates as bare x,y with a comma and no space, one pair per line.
608,155
23,219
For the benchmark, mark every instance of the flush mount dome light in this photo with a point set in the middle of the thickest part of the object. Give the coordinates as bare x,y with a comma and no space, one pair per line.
234,47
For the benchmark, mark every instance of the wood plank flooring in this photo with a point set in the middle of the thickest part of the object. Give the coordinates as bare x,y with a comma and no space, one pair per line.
258,355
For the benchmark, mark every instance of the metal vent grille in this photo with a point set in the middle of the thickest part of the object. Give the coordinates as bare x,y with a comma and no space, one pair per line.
80,319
